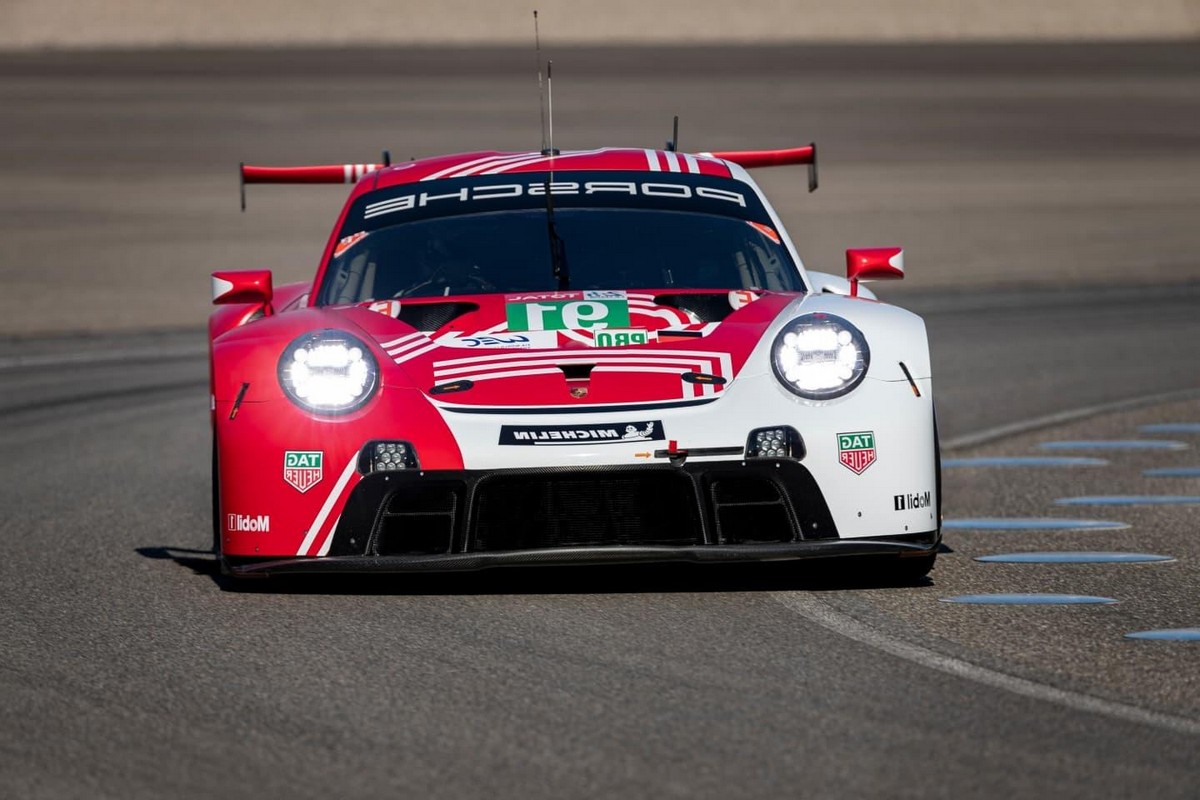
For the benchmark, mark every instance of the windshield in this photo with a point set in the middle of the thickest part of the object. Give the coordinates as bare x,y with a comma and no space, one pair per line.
686,236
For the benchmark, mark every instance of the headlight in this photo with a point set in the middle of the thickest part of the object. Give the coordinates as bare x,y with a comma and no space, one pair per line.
820,356
328,372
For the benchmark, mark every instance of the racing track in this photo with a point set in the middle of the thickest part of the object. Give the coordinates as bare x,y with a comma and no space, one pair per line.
126,672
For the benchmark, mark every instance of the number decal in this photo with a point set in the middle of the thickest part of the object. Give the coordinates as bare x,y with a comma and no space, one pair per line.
568,314
585,314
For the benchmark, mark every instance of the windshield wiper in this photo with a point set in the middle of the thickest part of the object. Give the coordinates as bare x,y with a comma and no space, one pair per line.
558,248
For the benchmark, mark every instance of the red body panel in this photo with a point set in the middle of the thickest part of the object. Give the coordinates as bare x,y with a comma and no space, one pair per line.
268,510
253,441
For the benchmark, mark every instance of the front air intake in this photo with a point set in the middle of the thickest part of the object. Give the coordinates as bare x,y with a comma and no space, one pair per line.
432,316
537,508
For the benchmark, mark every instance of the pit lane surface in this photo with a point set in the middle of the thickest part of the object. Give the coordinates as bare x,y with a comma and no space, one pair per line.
127,672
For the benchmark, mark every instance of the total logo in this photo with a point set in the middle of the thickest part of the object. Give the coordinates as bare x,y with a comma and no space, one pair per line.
905,502
248,523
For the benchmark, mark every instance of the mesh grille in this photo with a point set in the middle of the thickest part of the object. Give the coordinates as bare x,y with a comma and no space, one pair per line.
431,316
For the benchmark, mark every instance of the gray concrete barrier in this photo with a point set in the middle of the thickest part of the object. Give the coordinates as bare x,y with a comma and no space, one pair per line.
39,24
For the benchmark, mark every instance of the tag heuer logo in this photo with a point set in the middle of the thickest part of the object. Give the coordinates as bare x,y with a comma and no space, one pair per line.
856,451
303,469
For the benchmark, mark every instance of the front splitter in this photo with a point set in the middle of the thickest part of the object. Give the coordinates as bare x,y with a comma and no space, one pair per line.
912,545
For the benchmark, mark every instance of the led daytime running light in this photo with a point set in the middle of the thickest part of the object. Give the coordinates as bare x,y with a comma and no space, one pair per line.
328,372
820,356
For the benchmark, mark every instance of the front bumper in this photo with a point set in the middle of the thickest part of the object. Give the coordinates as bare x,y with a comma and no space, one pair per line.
715,511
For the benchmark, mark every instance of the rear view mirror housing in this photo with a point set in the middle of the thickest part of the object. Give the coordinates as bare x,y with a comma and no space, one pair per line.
245,286
873,264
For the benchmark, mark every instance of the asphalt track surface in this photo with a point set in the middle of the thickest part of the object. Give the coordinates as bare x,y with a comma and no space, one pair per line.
128,670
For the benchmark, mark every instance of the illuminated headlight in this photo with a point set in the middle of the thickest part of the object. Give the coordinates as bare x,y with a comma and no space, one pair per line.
328,372
820,356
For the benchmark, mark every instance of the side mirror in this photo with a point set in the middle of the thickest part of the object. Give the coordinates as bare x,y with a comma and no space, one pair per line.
873,264
249,286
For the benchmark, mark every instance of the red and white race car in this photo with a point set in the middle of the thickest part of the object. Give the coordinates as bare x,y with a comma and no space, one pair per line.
601,356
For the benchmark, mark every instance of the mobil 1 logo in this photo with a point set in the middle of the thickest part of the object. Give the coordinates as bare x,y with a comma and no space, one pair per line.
908,502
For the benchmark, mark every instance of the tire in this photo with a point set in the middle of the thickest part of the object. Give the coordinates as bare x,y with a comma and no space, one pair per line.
216,503
911,570
222,566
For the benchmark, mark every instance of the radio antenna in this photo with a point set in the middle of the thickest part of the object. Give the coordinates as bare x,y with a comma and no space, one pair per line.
550,108
673,145
537,56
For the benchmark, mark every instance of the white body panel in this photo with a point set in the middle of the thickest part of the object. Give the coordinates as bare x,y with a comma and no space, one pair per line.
862,505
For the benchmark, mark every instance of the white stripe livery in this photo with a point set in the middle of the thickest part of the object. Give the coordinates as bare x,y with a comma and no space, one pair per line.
508,365
327,507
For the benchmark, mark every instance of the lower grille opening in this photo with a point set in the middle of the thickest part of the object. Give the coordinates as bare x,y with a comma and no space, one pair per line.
419,520
414,534
750,509
543,509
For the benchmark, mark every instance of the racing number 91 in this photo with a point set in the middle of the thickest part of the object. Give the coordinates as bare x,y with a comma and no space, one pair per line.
568,315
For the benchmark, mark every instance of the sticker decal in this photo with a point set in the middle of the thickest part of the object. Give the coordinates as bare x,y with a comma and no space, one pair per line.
765,230
646,431
303,469
389,308
856,451
347,242
623,337
740,298
249,523
595,309
530,340
907,502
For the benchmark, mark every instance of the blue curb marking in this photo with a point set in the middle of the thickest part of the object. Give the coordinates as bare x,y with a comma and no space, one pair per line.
1024,461
1168,634
1029,600
1081,557
1116,444
1172,472
1030,524
1171,427
1131,500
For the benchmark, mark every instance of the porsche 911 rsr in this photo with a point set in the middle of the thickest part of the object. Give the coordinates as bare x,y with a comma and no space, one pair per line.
587,357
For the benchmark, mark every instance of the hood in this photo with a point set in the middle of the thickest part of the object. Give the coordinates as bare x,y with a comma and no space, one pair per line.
536,350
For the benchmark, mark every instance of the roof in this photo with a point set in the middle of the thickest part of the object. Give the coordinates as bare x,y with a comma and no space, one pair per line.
494,162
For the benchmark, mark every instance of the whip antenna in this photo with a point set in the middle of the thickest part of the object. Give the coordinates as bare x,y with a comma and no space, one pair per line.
550,106
537,57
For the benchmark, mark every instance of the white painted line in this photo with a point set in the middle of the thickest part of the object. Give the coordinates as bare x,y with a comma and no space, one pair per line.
102,357
818,611
988,435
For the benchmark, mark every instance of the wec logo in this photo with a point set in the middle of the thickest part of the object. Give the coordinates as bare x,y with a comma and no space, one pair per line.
239,523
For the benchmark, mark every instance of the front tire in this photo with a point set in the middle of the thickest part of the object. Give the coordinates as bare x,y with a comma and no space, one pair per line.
222,566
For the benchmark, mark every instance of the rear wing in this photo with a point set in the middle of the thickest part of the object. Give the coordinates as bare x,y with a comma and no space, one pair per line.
326,173
352,173
750,159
